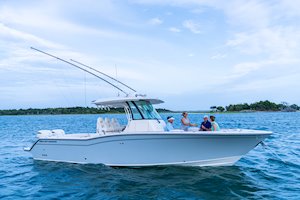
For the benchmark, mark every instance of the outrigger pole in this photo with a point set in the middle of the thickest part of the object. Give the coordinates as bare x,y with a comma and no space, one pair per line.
104,74
80,68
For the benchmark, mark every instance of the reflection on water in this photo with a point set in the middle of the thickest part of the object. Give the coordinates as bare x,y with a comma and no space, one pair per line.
261,174
151,182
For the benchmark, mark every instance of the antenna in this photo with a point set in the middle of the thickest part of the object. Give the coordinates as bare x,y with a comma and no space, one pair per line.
48,54
104,74
117,77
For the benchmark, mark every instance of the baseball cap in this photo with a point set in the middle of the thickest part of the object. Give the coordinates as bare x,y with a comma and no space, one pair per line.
170,117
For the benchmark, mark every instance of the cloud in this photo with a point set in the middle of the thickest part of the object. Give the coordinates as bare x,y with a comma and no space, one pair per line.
174,29
259,70
197,11
33,20
281,83
11,34
261,39
218,56
273,41
292,7
174,2
155,21
192,26
248,14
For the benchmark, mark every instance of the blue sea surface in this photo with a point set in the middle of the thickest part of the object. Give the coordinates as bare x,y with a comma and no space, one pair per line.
271,172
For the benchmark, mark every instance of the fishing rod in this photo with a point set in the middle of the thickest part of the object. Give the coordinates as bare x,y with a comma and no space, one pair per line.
80,68
103,74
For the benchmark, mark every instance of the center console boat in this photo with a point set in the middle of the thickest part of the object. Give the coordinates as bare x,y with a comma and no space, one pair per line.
143,141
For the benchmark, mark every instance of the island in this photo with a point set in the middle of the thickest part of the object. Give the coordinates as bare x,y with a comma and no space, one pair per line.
243,107
70,110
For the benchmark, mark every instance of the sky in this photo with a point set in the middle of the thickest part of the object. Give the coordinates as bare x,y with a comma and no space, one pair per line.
193,54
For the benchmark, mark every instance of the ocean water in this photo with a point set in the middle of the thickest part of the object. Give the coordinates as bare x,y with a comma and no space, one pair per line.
271,172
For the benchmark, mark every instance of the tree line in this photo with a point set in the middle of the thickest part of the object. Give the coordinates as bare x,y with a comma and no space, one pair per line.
257,106
59,111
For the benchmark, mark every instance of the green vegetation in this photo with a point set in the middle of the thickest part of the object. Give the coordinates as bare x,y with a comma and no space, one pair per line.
59,111
162,110
262,106
245,107
217,108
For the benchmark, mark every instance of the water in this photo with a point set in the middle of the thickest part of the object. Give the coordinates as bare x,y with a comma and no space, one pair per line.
261,174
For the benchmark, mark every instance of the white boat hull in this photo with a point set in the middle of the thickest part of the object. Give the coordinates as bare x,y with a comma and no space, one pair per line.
150,149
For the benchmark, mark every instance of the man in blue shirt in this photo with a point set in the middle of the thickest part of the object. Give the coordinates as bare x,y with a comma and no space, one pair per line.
205,125
169,126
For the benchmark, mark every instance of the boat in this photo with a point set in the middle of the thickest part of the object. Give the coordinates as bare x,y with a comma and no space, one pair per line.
143,141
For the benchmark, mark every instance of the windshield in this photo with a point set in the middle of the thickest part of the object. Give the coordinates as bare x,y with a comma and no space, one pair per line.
136,114
143,110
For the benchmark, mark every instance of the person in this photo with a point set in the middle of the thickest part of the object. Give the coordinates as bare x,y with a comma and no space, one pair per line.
205,125
169,126
185,122
214,125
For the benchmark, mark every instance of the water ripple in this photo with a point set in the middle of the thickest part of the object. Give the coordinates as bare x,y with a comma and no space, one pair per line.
272,172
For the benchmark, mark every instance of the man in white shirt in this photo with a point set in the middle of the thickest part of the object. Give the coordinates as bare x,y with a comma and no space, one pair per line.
169,126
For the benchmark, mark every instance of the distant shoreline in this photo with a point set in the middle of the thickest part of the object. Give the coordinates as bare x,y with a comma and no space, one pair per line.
67,111
261,106
92,110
